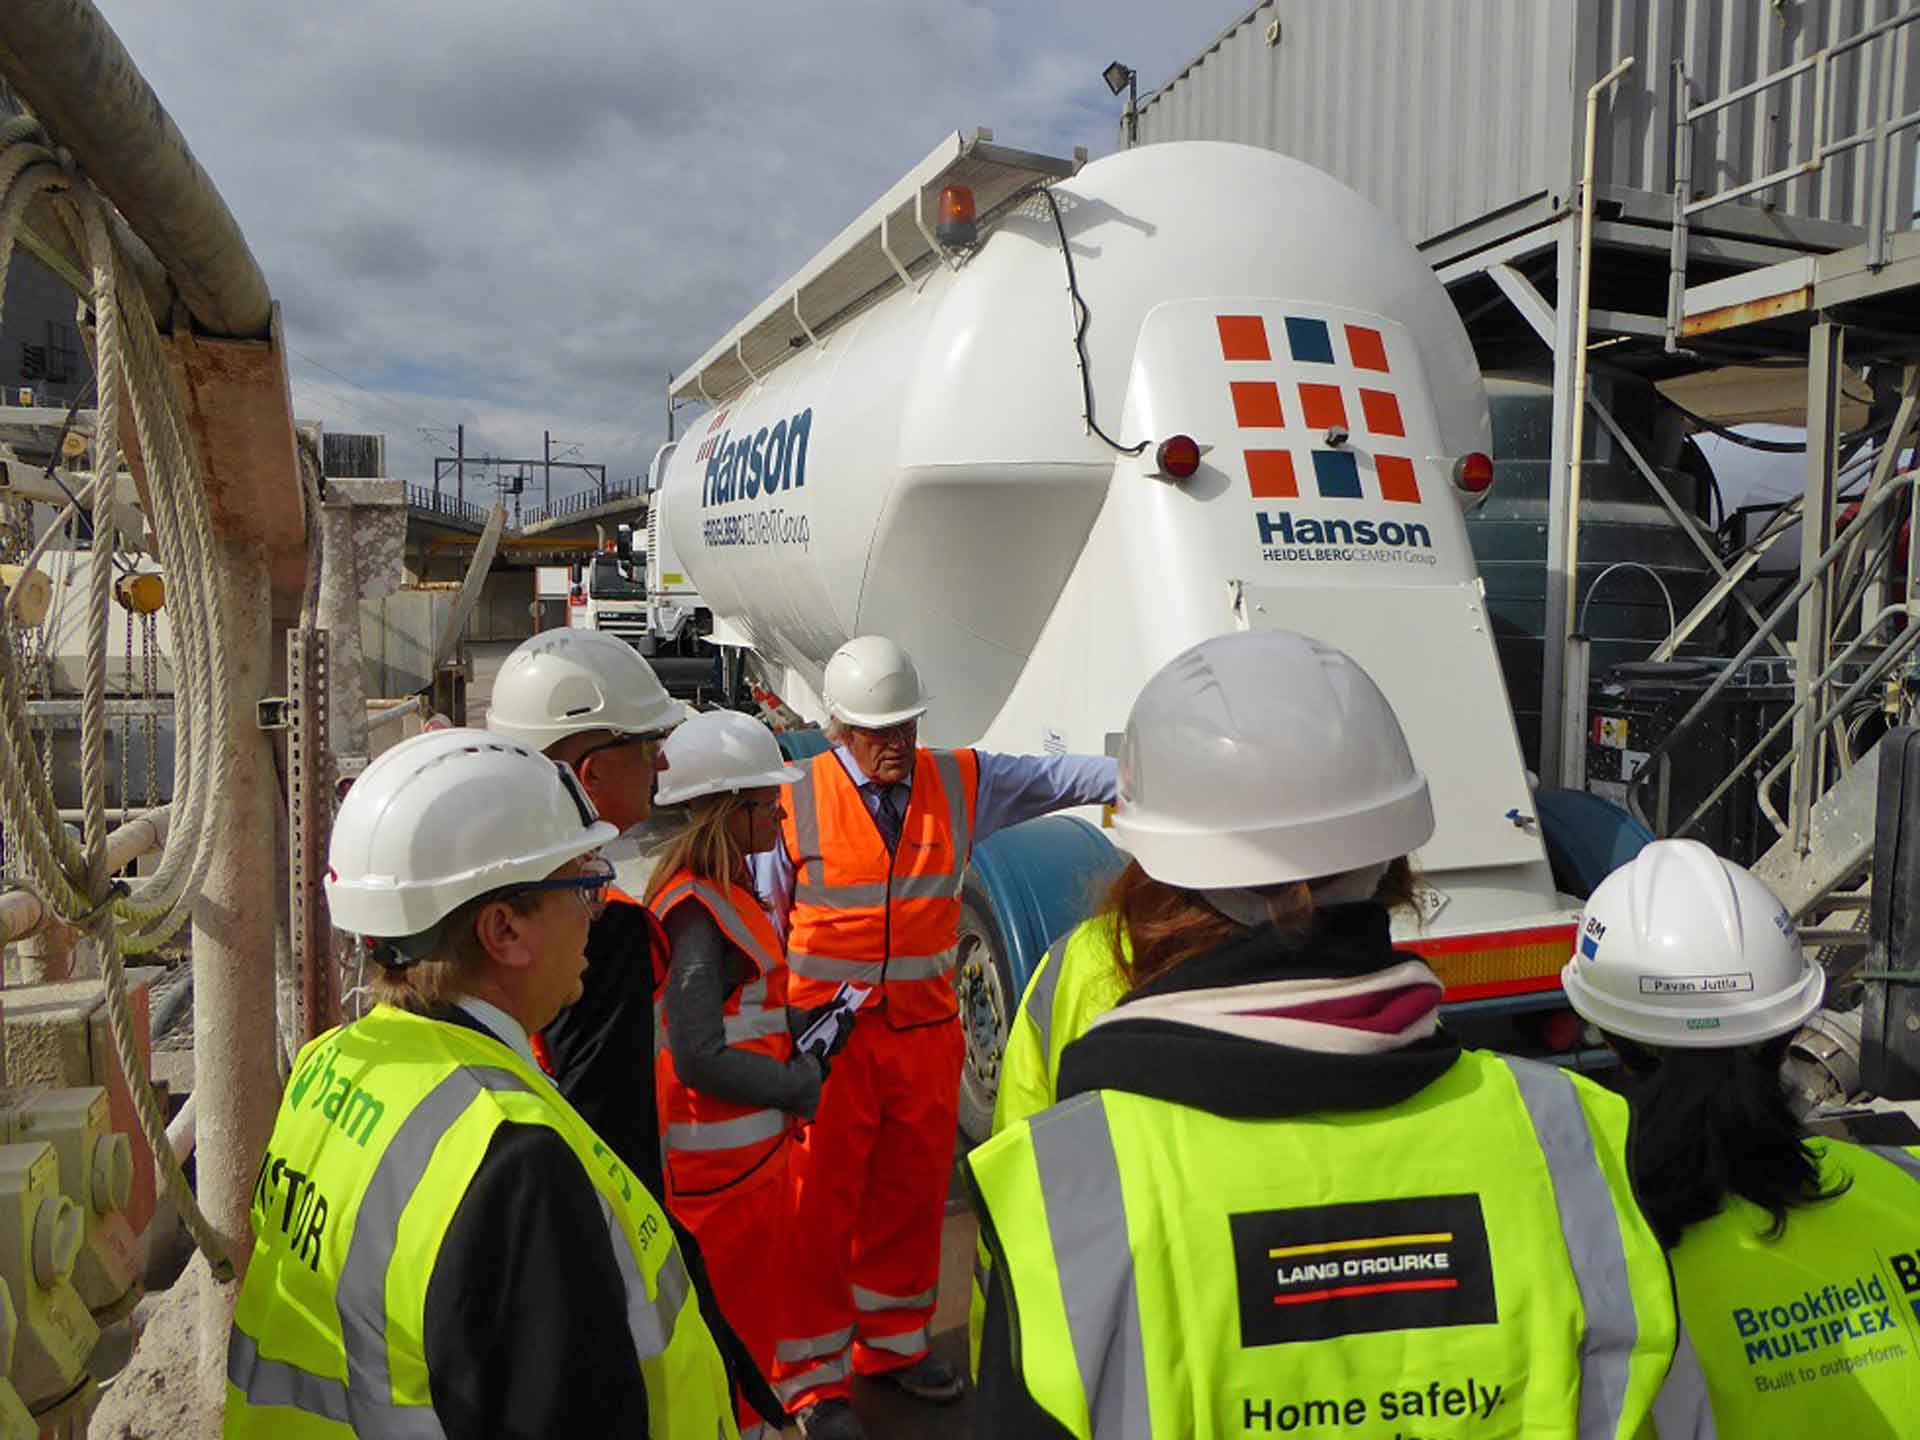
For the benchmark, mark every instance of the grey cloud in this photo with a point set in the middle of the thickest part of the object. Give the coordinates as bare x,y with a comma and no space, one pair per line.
530,213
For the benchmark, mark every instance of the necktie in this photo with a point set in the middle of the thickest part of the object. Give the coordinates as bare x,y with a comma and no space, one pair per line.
891,812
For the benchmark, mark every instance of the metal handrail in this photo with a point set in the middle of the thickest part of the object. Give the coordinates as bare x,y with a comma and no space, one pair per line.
1865,681
584,500
1867,678
1878,133
1856,533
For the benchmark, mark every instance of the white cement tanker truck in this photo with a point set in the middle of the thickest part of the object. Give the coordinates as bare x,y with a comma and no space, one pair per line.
1183,389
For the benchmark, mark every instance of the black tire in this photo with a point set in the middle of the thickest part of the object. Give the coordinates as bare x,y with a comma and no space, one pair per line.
984,985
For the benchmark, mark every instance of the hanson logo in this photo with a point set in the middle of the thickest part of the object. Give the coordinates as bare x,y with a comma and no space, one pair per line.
1314,1273
748,465
1281,528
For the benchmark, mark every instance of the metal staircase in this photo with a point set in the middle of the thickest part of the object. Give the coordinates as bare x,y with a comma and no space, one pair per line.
1852,621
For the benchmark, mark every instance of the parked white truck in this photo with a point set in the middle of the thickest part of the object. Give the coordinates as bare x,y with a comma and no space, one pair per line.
608,593
1184,389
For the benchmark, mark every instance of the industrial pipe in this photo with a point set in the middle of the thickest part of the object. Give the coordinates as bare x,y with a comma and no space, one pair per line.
63,59
1574,706
23,914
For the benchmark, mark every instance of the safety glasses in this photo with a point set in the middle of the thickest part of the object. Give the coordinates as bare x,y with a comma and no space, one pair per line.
593,885
570,782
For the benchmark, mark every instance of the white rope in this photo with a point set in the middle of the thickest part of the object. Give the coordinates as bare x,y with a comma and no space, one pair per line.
75,883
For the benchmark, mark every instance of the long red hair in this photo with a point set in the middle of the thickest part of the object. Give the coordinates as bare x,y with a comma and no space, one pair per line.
1165,926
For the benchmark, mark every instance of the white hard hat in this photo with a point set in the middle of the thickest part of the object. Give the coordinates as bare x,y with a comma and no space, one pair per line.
1683,949
448,816
721,751
871,682
563,682
1261,757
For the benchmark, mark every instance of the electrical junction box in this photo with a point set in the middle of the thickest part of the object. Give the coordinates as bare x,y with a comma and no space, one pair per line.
96,1174
40,1235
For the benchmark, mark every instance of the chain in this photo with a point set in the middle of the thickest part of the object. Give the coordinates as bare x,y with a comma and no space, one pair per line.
126,723
150,689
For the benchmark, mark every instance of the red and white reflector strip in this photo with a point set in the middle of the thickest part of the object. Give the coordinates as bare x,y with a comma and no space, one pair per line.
1506,962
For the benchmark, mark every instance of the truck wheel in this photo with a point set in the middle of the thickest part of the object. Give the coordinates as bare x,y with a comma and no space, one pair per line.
984,985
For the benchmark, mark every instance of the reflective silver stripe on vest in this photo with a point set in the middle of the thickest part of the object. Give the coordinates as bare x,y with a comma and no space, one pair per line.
825,967
1894,1155
791,1352
365,1401
649,1322
755,1024
840,897
907,1342
747,1129
867,894
1590,1225
1087,1218
1683,1410
806,831
959,823
736,927
274,1382
923,967
1040,998
865,1299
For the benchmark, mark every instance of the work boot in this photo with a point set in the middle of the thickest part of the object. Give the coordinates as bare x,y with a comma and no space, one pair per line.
928,1378
831,1420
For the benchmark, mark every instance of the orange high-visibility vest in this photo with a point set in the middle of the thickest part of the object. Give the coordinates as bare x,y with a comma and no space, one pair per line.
710,1143
863,915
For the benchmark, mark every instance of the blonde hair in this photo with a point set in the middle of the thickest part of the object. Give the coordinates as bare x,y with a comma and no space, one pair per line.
457,961
706,846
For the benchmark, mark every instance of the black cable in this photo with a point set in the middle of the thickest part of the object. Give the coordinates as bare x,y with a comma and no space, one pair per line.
1080,331
1772,447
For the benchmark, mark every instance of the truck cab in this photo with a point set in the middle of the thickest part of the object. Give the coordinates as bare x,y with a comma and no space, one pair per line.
606,595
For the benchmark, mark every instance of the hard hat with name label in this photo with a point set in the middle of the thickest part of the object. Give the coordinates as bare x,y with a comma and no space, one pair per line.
871,683
444,818
1263,757
564,682
718,752
1680,948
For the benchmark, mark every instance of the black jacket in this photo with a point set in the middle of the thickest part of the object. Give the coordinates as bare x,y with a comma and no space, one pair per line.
526,1317
1226,1075
601,1047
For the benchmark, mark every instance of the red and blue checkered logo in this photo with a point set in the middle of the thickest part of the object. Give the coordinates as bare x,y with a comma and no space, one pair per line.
1319,404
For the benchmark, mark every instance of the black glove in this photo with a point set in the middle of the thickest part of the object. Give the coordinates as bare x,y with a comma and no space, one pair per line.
800,1021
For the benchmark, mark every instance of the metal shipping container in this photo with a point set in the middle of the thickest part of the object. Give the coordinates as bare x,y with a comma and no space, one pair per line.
1463,119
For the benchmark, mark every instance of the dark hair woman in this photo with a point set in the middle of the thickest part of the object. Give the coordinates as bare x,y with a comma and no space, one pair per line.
1693,970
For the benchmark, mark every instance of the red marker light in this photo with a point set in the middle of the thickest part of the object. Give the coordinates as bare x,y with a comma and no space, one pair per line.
1559,1031
1178,457
956,222
1473,473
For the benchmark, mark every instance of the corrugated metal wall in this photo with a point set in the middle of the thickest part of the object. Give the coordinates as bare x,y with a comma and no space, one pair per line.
1449,113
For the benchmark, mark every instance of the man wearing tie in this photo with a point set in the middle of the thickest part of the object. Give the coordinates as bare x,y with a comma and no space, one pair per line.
866,885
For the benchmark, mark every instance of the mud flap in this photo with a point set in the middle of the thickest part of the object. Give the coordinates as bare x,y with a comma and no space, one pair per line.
1890,1015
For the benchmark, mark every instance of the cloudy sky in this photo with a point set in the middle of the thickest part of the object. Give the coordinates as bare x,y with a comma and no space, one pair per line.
523,216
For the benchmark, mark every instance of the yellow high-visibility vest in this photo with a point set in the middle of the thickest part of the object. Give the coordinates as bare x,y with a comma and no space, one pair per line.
382,1127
